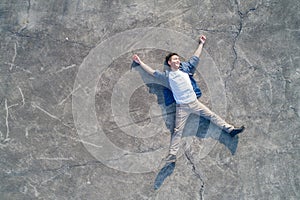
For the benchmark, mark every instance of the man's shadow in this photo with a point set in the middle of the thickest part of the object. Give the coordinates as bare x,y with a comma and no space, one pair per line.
224,138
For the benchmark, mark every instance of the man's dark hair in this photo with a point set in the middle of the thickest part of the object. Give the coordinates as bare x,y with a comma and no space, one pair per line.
169,56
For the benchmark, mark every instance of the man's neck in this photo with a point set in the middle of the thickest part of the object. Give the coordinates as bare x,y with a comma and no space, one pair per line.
174,69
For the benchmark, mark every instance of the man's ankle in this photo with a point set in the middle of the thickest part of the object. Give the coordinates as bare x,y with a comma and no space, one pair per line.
171,158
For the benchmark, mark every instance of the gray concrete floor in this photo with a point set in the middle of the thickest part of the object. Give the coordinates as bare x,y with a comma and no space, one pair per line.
79,121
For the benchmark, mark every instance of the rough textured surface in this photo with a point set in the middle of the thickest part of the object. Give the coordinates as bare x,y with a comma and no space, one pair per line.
44,45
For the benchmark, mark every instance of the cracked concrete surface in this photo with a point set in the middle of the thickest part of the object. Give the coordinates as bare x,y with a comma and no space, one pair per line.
254,46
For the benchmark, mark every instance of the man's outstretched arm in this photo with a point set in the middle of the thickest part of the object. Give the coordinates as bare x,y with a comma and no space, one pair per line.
199,49
148,69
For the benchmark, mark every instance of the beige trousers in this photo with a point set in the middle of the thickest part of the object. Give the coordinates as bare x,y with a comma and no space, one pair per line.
182,113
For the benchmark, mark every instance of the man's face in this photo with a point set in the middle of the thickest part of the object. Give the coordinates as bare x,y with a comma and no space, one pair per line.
174,62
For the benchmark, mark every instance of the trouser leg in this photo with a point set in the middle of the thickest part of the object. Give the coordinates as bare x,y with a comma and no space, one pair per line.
182,114
205,112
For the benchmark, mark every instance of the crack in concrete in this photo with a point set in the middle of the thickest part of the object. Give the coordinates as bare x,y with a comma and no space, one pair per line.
239,31
34,105
215,30
174,16
28,8
14,56
197,174
61,170
6,138
6,120
38,36
27,18
237,34
22,95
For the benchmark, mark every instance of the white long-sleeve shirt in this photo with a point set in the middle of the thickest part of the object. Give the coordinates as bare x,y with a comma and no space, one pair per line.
182,88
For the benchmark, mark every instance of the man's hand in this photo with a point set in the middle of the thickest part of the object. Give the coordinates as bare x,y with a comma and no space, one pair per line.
136,59
202,39
198,51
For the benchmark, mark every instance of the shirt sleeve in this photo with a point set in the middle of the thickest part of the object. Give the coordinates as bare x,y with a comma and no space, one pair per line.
190,65
161,76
